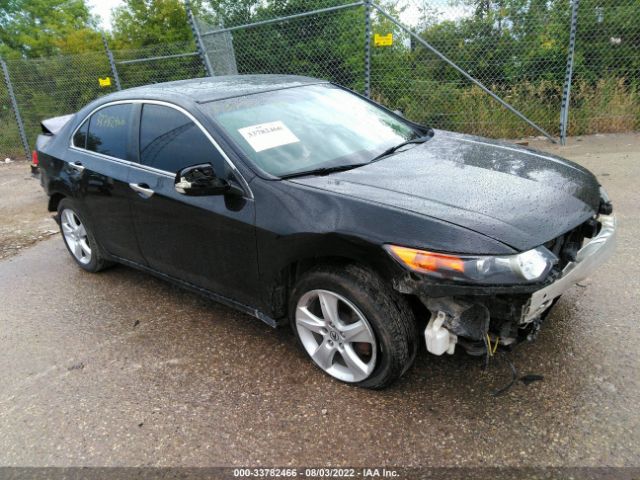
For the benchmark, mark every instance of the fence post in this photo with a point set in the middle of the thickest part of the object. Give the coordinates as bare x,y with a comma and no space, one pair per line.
16,110
566,91
196,36
367,48
112,62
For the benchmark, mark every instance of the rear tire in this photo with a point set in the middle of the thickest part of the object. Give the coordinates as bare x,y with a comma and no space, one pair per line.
79,239
353,325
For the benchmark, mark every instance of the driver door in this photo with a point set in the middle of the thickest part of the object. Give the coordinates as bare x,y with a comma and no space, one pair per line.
207,241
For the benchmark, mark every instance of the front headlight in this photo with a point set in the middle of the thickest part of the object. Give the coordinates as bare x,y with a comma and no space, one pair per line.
526,267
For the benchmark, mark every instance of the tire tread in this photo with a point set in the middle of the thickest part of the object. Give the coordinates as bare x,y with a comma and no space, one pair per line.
99,260
399,326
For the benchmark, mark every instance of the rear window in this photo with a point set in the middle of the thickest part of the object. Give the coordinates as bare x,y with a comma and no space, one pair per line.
108,131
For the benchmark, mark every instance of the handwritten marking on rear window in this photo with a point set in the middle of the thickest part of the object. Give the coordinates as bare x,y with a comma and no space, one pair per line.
109,121
268,135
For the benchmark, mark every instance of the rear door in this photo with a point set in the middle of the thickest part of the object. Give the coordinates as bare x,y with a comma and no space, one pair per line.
207,241
100,154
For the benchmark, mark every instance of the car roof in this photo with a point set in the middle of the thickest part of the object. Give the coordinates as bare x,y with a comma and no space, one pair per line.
208,89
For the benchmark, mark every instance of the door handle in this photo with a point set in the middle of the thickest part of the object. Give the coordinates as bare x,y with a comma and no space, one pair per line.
77,165
142,189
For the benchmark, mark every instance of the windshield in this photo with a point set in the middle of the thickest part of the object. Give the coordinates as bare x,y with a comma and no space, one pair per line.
300,129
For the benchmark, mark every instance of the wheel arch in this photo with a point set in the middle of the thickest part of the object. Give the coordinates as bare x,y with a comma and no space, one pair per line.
54,201
287,277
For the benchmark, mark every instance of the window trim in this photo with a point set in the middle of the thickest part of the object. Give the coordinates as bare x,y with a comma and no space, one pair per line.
216,145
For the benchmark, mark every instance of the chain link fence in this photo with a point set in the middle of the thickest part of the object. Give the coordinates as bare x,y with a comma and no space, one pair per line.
158,63
10,142
606,79
47,87
499,72
324,43
491,49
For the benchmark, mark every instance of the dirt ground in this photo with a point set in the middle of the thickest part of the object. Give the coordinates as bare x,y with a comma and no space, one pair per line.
592,150
24,219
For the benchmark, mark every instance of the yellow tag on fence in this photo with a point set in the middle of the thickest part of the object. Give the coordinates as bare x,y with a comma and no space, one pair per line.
383,40
104,82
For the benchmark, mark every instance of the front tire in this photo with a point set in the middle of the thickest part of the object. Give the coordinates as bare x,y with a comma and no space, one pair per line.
79,239
353,325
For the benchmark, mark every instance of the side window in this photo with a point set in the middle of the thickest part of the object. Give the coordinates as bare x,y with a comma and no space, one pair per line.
109,130
169,141
80,138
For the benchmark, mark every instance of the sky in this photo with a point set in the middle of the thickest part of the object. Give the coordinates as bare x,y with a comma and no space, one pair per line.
409,16
103,9
443,7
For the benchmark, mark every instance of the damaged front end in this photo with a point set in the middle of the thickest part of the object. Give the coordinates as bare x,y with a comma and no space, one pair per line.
478,323
468,310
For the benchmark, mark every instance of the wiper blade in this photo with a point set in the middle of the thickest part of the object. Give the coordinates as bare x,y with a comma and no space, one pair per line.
395,148
324,170
342,168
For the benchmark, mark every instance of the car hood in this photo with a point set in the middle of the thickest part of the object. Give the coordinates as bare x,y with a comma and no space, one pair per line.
512,194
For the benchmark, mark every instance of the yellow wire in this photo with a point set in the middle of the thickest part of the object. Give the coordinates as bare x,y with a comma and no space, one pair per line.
495,347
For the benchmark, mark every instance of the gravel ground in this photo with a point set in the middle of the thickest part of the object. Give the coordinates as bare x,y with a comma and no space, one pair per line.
24,219
121,369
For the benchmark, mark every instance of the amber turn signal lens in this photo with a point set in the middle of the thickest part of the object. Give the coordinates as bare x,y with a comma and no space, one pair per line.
427,261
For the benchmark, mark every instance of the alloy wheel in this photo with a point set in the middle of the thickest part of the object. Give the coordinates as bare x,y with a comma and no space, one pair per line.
75,235
336,335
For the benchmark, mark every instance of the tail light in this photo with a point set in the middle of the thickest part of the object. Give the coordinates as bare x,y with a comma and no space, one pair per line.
34,158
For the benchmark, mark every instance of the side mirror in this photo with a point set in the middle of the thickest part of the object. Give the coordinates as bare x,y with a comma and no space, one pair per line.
201,180
399,113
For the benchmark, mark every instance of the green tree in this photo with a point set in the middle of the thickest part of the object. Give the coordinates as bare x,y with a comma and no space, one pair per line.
36,28
608,39
140,23
234,12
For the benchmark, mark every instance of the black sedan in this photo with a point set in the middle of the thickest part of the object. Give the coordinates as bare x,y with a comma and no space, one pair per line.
298,201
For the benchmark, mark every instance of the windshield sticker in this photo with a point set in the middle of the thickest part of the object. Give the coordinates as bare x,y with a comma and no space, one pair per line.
268,135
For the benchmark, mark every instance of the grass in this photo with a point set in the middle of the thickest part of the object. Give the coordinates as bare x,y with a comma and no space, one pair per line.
606,106
10,144
609,106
